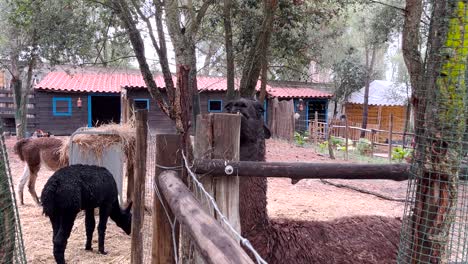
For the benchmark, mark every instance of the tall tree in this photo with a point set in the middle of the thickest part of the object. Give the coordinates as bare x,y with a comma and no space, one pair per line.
378,30
50,31
439,101
182,20
349,75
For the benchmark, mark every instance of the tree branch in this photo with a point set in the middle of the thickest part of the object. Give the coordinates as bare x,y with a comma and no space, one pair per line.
195,25
388,5
163,60
123,11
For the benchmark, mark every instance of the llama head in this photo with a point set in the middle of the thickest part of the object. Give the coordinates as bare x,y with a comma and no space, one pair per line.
252,124
123,218
253,129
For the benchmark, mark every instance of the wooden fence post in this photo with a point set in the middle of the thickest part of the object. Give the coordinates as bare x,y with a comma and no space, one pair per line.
372,142
218,137
346,138
139,187
316,128
390,135
167,156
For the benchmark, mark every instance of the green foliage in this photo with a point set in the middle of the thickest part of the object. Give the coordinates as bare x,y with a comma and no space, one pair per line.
399,153
349,76
301,138
62,32
323,146
364,146
300,31
337,143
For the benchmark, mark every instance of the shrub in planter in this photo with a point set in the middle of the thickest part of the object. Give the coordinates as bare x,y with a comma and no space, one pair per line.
364,146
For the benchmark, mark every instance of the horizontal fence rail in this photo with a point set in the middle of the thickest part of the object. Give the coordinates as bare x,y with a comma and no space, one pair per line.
214,244
303,170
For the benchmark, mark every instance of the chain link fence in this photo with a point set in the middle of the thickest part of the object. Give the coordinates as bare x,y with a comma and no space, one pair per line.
435,220
11,241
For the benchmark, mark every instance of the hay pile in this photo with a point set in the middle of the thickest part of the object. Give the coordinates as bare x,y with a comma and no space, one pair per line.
94,143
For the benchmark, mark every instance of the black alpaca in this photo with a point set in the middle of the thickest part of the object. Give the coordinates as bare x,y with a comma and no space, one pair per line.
82,187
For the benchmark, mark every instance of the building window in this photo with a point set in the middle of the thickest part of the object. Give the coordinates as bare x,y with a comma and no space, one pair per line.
62,106
141,104
215,105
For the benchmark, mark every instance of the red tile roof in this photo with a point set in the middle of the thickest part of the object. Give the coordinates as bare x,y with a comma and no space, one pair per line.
297,93
114,82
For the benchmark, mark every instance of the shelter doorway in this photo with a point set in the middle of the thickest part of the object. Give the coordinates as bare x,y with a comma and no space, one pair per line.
319,106
103,109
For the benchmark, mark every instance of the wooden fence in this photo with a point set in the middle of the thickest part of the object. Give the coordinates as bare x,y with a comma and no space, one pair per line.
215,148
351,132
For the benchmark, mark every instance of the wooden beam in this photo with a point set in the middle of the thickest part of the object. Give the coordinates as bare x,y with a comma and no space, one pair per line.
167,156
214,244
306,170
390,138
139,187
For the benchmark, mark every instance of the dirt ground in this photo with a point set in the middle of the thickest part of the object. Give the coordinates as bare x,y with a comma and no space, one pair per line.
313,200
307,200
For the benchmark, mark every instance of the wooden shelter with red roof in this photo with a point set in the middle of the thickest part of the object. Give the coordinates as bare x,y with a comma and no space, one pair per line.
67,101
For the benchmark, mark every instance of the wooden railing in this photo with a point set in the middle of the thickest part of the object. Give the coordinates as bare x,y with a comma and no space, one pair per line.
205,220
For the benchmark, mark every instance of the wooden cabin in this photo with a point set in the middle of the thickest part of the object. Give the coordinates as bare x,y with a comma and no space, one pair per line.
65,102
385,99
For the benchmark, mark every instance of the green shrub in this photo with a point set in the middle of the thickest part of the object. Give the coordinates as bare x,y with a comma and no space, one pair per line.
400,153
301,138
364,146
323,146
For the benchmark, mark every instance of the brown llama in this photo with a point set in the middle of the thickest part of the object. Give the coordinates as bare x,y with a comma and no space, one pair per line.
38,152
357,239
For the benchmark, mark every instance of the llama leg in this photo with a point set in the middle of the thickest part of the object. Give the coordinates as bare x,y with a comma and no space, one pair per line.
104,212
32,183
22,182
55,220
67,220
90,225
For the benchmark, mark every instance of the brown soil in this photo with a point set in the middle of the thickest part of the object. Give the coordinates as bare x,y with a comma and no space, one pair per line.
308,200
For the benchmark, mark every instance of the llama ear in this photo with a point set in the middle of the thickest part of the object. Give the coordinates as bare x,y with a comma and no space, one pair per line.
129,207
259,108
228,107
266,131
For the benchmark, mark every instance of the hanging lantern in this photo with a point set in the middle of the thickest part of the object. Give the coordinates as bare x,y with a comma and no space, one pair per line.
79,103
300,105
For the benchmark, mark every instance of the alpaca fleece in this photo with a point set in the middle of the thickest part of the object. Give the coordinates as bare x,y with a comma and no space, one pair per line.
82,187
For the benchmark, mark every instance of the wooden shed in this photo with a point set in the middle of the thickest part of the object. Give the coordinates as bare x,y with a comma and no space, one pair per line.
307,98
65,102
385,99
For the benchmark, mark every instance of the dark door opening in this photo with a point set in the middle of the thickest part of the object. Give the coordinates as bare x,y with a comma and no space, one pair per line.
105,110
320,107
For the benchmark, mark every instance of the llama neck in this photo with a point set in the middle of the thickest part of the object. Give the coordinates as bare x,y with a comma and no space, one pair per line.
253,191
116,213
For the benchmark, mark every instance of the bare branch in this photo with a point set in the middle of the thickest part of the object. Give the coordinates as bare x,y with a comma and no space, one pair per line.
123,11
195,25
388,5
162,54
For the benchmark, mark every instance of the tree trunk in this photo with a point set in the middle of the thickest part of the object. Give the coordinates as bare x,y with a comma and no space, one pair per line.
230,74
258,51
263,84
440,111
370,70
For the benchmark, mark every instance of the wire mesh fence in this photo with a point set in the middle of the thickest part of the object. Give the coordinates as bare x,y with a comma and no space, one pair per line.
11,241
435,220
